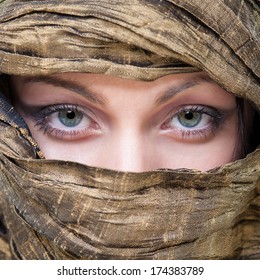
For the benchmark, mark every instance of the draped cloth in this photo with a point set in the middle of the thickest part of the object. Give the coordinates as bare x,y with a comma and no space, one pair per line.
94,213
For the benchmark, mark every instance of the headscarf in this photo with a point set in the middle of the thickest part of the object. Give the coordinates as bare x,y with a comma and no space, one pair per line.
95,213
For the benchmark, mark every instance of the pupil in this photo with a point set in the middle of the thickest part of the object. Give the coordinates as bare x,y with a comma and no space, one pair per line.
189,115
70,118
71,115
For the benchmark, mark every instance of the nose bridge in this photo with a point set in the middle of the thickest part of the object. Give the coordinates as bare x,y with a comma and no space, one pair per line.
129,150
128,130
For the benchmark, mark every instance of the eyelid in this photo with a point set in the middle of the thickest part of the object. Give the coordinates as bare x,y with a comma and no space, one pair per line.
40,112
194,107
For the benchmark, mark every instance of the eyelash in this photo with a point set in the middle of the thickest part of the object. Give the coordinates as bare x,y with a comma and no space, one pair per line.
41,121
191,133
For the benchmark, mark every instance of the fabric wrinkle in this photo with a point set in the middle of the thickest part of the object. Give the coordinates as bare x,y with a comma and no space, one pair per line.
95,213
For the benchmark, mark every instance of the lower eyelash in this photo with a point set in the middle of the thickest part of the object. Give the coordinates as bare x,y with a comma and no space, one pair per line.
200,134
61,134
42,125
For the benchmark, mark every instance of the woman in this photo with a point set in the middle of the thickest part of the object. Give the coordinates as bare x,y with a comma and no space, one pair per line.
177,121
102,85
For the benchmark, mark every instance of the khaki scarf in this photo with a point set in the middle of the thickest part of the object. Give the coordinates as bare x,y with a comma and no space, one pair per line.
92,213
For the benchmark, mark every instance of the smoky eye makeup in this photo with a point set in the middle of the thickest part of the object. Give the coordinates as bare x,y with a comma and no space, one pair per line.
190,116
72,122
193,122
65,121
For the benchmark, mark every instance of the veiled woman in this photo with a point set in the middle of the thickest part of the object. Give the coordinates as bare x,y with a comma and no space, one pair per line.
129,130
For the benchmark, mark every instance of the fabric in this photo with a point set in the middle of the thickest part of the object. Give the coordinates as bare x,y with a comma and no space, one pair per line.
92,213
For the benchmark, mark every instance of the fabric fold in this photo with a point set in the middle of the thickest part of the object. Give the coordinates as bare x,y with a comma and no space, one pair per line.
94,213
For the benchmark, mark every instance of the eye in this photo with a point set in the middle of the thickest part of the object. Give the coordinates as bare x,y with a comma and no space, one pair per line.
66,121
193,122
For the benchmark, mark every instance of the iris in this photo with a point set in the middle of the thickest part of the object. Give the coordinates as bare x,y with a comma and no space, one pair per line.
70,118
189,118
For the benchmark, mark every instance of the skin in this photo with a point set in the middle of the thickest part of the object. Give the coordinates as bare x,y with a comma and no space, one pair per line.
131,125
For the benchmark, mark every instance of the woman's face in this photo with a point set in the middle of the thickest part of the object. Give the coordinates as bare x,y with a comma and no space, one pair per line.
177,121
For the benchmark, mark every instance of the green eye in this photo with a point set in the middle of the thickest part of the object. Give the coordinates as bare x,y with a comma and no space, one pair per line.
70,118
189,118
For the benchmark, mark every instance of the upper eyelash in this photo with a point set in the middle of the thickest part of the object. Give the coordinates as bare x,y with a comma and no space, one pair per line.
40,116
46,111
216,114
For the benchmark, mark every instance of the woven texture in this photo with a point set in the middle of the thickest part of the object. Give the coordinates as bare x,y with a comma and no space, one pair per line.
91,213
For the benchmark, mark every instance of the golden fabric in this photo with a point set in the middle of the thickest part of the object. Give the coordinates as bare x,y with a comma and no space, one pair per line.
92,213
134,39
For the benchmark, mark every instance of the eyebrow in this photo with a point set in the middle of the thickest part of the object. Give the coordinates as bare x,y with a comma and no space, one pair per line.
67,84
92,97
175,89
